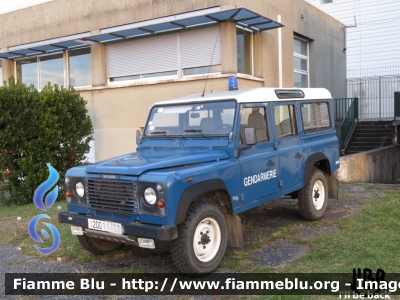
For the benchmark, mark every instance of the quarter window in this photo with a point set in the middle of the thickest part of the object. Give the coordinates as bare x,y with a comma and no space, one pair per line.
315,116
300,63
285,120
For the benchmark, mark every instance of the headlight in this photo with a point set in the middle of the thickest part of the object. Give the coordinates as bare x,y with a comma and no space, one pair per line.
80,190
150,196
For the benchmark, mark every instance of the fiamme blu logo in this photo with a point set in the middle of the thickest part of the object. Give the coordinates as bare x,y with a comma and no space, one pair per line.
44,206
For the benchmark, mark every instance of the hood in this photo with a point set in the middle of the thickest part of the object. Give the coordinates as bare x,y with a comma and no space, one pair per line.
139,162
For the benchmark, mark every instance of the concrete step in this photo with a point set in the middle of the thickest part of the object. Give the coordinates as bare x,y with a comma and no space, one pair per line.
387,128
360,148
376,144
369,138
374,123
372,135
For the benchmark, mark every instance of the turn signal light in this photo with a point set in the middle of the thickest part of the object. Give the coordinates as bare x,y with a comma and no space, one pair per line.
68,194
160,203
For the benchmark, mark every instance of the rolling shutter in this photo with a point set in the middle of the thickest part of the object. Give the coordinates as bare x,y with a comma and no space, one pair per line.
142,56
197,47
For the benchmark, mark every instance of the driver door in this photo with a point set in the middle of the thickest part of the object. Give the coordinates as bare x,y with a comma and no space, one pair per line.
259,165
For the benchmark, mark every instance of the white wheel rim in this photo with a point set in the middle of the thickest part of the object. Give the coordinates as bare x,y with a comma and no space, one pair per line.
207,239
318,194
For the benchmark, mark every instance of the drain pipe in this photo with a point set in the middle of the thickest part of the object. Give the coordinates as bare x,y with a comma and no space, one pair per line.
280,52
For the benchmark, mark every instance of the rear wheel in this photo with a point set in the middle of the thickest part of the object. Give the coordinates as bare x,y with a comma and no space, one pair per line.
202,239
97,246
313,198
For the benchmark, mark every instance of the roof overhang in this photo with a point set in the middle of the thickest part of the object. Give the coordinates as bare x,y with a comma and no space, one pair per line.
243,17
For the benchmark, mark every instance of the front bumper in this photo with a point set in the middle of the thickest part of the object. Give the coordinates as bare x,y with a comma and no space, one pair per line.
157,232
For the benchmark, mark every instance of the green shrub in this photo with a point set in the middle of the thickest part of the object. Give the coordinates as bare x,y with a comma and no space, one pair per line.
36,128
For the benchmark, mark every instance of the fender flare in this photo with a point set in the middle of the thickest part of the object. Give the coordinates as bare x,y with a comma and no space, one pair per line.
194,191
312,159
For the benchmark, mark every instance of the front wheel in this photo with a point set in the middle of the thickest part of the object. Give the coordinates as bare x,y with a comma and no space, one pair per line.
202,239
313,197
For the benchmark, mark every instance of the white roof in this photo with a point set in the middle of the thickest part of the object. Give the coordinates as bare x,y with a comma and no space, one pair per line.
252,95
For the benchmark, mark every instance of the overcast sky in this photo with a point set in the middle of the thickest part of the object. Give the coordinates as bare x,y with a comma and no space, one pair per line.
11,5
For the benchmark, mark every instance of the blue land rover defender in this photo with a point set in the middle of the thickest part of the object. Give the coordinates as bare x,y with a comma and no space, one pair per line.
200,161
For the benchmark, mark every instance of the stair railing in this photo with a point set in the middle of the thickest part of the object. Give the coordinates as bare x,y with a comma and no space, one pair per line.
349,123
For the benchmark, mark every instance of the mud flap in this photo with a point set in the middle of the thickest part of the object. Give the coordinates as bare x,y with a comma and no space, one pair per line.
235,235
333,186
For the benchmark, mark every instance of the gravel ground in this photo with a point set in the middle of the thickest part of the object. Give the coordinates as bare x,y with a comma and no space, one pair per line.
258,223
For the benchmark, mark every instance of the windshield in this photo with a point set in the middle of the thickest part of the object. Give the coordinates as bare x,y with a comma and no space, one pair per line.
202,119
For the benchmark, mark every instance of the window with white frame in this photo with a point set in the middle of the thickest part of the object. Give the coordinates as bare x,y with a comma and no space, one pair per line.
173,55
27,71
80,67
39,71
51,70
244,44
301,79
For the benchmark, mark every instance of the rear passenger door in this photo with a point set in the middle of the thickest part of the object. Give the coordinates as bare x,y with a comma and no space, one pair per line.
288,144
259,165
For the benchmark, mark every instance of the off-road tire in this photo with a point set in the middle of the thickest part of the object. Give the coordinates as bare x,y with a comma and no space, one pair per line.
202,219
313,208
97,246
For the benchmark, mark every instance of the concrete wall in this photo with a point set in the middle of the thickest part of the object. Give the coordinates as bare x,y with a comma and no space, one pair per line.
118,111
375,166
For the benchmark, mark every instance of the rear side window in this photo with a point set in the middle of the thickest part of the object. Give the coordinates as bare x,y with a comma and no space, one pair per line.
315,116
285,120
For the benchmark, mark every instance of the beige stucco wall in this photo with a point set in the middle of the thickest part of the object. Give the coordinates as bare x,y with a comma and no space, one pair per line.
118,111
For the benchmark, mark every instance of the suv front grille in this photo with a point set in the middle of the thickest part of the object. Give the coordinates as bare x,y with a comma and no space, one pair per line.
115,196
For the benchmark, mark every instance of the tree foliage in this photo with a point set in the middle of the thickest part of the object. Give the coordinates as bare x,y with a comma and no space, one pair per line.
36,128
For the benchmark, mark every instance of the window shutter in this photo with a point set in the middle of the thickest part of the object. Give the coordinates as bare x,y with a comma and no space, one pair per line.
141,56
197,47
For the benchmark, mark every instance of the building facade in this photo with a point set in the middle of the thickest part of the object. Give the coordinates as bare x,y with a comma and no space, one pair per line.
122,56
372,47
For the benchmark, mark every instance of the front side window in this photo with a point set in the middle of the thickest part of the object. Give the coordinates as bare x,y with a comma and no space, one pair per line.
254,117
80,67
244,40
200,119
300,63
285,120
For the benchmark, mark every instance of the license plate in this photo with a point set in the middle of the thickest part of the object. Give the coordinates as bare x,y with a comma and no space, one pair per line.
105,226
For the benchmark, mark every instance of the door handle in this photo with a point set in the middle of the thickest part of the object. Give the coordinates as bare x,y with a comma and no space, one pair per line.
298,155
271,163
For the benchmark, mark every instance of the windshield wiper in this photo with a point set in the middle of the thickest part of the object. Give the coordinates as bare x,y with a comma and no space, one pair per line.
198,131
162,132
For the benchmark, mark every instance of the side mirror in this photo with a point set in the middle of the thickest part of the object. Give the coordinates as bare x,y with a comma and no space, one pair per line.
138,137
250,137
